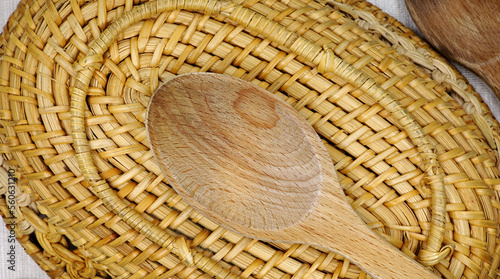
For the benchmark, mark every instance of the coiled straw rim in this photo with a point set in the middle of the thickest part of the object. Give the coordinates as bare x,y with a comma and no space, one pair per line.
323,57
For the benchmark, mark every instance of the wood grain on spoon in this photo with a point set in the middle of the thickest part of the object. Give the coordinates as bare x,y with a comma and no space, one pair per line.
465,31
248,161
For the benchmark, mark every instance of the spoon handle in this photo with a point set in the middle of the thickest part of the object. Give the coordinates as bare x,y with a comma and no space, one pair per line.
343,232
379,259
374,255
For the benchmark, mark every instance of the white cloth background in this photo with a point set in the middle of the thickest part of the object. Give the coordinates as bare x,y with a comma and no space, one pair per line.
26,267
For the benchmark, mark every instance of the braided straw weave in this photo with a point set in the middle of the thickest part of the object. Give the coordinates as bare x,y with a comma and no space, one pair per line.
415,148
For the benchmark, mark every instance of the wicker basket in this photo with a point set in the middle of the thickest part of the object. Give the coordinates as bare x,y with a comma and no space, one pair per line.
415,148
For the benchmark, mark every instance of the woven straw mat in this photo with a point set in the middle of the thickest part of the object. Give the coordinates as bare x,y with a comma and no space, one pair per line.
414,146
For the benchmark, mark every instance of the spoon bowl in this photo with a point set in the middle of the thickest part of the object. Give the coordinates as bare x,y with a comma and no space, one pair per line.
465,31
248,161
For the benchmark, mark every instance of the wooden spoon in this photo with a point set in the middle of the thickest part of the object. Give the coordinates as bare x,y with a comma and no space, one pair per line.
248,161
466,31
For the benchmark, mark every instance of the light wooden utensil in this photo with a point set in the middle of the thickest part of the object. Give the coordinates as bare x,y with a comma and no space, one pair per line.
466,31
248,161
